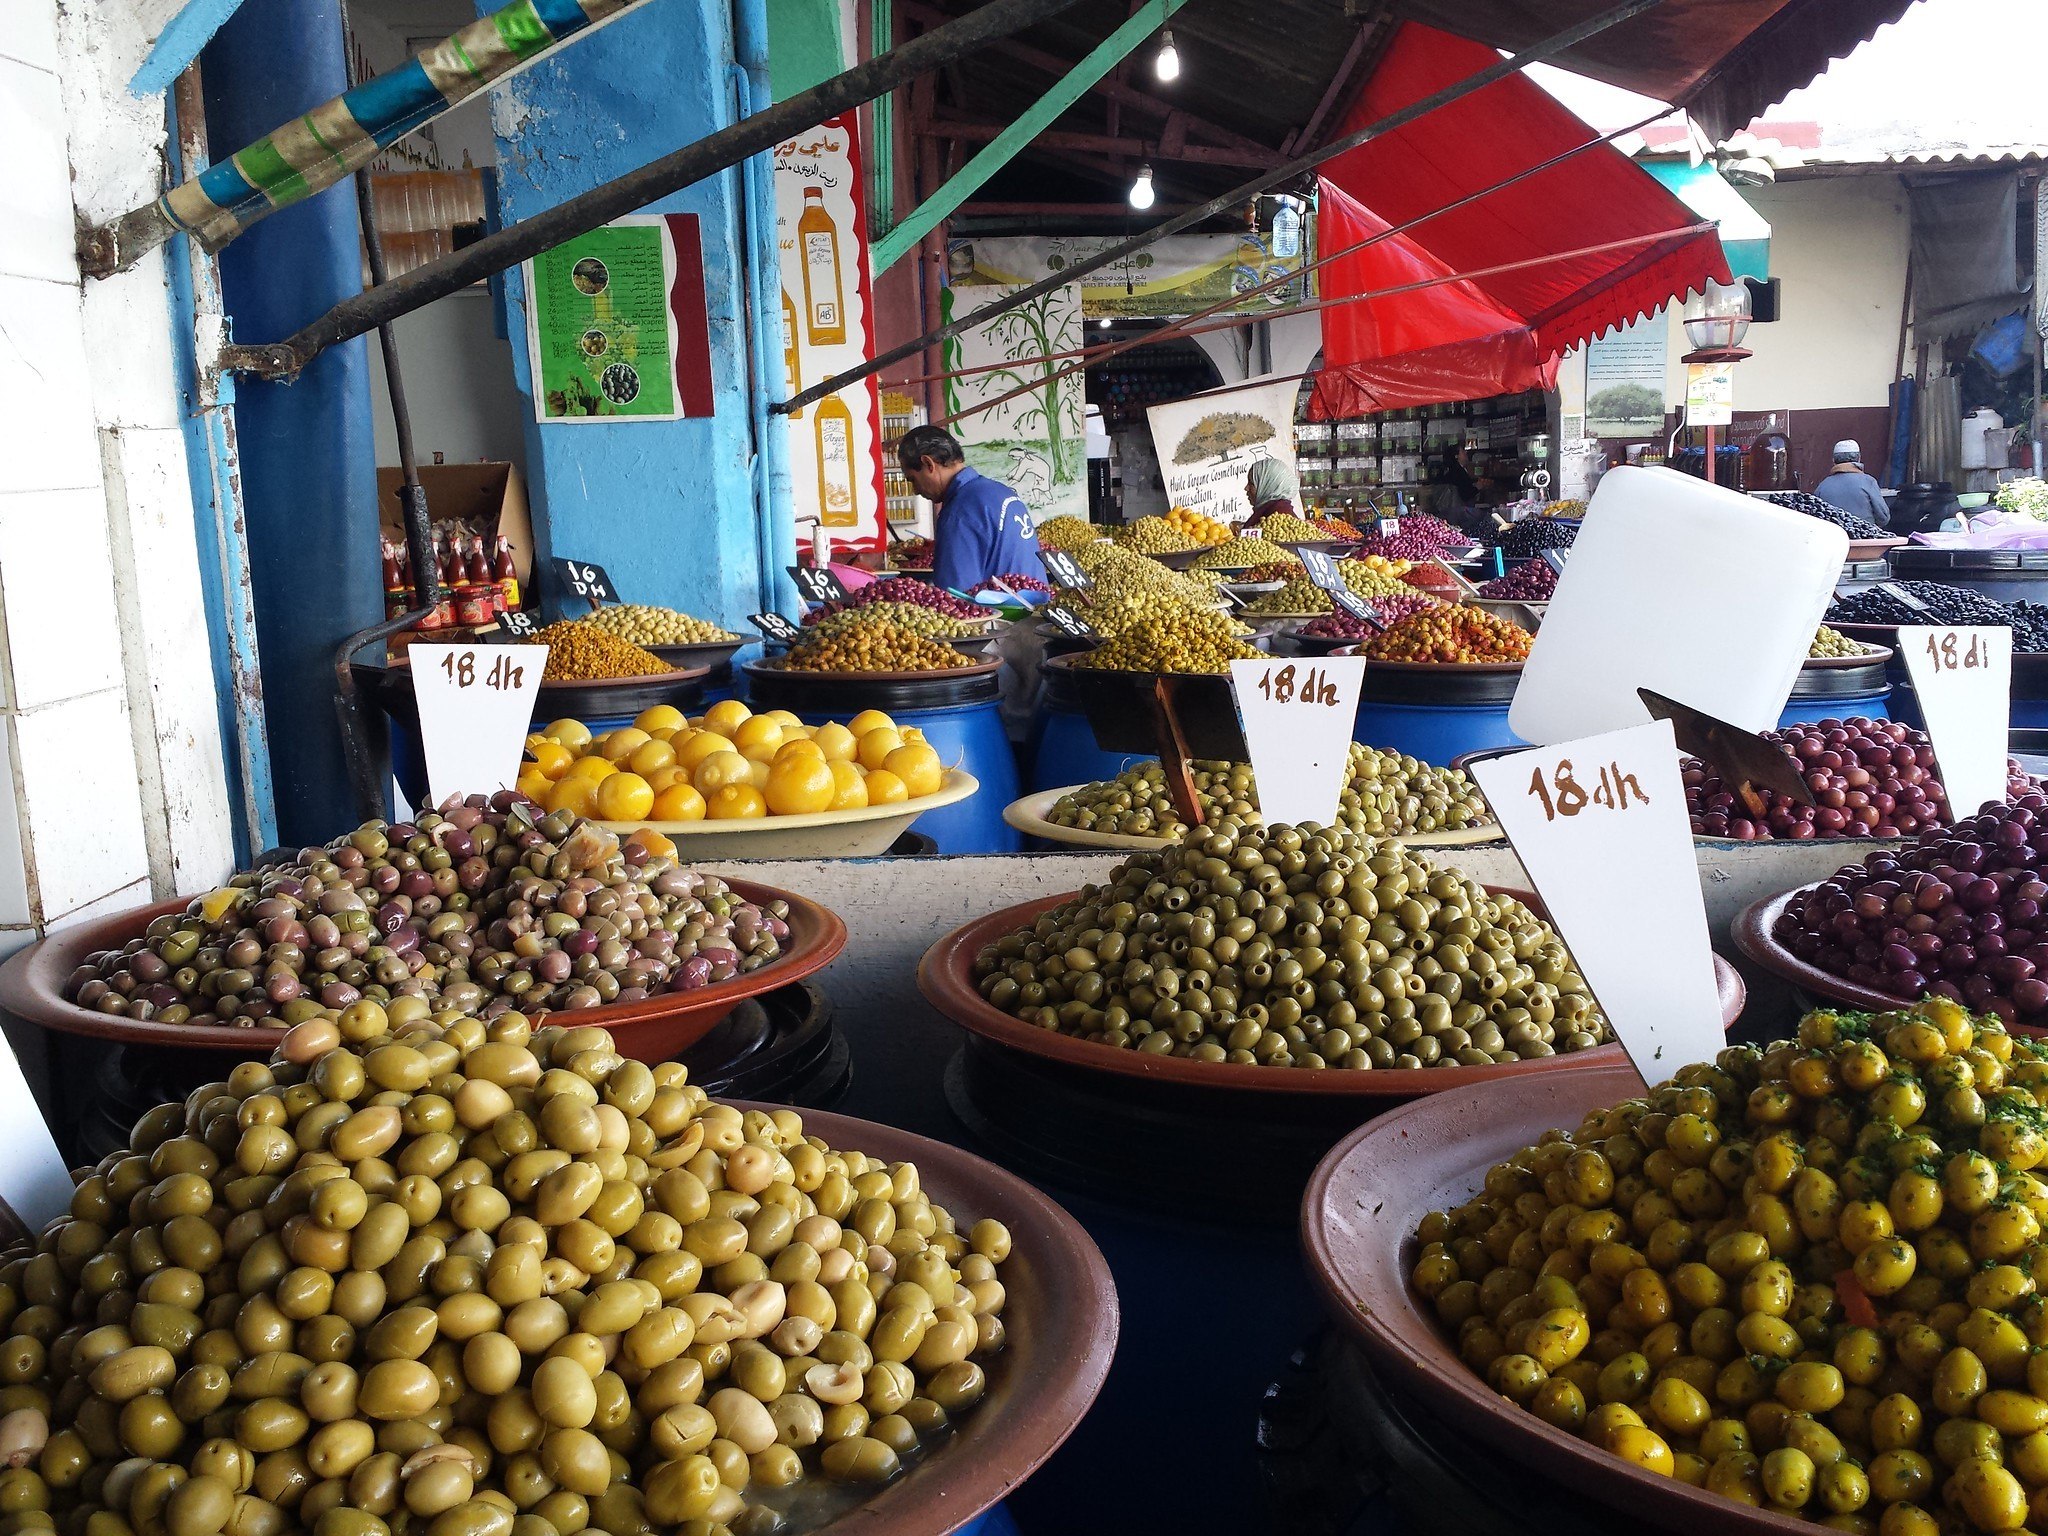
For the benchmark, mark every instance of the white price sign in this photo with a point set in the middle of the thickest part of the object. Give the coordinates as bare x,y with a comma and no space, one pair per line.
476,705
1963,678
1297,716
1580,814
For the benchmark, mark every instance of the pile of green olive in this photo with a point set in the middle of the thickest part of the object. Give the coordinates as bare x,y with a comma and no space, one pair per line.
1295,947
1386,794
469,1279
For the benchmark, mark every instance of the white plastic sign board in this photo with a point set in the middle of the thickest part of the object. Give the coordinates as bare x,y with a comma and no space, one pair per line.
476,705
1683,587
36,1181
1298,713
1963,678
1601,826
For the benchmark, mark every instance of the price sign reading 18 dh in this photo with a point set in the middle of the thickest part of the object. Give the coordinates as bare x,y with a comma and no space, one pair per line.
476,704
1600,824
1298,716
1963,678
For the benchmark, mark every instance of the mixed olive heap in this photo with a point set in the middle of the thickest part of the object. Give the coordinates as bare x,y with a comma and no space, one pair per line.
1869,778
581,652
1068,533
1533,581
1289,528
1801,1277
1833,643
899,590
1391,607
1295,947
1452,634
469,1279
1245,552
871,645
1111,611
1157,536
1961,914
472,909
644,624
1173,640
1114,571
1386,794
929,622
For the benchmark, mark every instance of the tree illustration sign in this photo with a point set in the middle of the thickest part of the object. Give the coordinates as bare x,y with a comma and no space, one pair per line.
1208,444
1032,442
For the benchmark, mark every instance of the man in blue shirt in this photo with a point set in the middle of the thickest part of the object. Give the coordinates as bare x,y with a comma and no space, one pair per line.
1849,489
983,528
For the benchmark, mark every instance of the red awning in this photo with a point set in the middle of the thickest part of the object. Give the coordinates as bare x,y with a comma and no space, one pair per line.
1538,288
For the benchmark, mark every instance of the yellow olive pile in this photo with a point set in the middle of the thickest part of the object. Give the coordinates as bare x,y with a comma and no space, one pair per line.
1068,533
1802,1277
1832,642
1111,611
464,1279
1386,794
1295,947
1156,536
869,645
1287,528
1243,553
1114,569
919,620
644,624
581,652
1173,641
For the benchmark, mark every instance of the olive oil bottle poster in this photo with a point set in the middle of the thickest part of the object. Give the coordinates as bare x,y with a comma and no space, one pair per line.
835,444
616,324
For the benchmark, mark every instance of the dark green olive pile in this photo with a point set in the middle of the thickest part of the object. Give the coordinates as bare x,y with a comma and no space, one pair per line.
475,908
1295,947
467,1279
1387,794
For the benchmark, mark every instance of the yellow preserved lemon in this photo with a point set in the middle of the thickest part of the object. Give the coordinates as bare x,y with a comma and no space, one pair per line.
575,794
918,766
799,746
550,758
660,717
651,757
726,716
700,746
719,770
573,734
736,802
870,720
884,788
678,802
591,769
800,786
849,786
876,745
624,742
623,797
758,737
836,742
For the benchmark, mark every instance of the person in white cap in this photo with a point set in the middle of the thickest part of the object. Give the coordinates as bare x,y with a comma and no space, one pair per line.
1849,489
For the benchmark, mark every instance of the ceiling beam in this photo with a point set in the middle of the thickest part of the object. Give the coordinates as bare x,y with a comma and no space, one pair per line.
1116,91
1103,144
1374,33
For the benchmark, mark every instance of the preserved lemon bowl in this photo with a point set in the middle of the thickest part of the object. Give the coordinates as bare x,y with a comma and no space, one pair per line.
857,834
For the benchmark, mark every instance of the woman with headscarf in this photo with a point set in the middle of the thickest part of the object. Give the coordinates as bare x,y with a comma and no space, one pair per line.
1271,487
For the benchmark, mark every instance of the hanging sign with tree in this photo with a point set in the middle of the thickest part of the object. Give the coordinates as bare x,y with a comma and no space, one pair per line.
1032,442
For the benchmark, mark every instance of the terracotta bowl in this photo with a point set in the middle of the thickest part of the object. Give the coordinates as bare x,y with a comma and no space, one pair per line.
946,977
1062,1315
1358,1218
32,987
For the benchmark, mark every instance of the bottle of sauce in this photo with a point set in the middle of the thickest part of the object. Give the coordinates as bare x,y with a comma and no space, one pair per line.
472,604
397,590
451,578
507,577
435,617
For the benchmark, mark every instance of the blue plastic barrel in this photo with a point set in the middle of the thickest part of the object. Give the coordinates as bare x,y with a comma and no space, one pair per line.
960,715
1436,712
1062,751
1838,692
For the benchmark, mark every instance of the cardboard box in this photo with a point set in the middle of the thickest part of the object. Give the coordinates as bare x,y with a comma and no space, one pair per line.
488,499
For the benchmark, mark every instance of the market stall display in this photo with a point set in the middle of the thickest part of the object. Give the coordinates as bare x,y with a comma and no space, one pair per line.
1068,533
564,1350
648,625
1385,795
1833,644
1871,778
900,591
582,652
1203,530
1925,1303
1291,528
1245,552
1334,630
1157,536
1859,529
1172,641
1533,581
912,554
917,618
1451,635
1420,537
1015,582
1940,604
1956,915
1530,537
872,645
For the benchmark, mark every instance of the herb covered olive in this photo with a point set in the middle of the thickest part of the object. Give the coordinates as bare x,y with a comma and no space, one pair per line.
1800,1276
1295,947
494,1280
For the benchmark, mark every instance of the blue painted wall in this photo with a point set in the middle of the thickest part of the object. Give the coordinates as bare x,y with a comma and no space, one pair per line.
668,508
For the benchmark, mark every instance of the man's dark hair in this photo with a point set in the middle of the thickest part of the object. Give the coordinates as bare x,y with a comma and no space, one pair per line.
921,443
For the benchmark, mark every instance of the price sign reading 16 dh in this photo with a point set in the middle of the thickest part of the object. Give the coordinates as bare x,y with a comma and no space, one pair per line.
476,704
1298,716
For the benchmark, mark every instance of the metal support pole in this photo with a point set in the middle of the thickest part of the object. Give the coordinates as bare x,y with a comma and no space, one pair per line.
671,173
1238,196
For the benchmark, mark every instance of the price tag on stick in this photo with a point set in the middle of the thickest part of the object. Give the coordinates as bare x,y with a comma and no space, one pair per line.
1298,714
512,629
1065,570
1070,623
579,578
1580,813
817,584
1963,678
476,704
775,627
1324,572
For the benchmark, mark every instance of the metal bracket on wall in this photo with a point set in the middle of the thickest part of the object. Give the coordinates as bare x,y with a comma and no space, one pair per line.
266,360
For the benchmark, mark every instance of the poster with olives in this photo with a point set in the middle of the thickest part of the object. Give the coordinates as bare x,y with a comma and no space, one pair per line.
616,324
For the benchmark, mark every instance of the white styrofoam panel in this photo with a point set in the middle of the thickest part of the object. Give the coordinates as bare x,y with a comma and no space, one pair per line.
14,904
128,347
46,423
57,584
36,231
76,776
168,664
30,35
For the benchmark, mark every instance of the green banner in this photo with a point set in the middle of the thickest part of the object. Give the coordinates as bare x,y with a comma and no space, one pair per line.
602,336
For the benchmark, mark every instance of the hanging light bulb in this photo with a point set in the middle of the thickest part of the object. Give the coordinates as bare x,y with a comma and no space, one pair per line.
1103,322
1141,189
1167,65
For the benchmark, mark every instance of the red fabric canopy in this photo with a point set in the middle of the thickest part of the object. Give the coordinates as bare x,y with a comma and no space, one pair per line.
1500,331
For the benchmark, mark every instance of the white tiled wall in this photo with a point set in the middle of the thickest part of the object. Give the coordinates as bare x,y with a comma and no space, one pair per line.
108,738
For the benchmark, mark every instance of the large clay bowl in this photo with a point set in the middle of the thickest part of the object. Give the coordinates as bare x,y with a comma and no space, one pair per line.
1028,815
946,977
1358,1217
32,987
1062,1317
